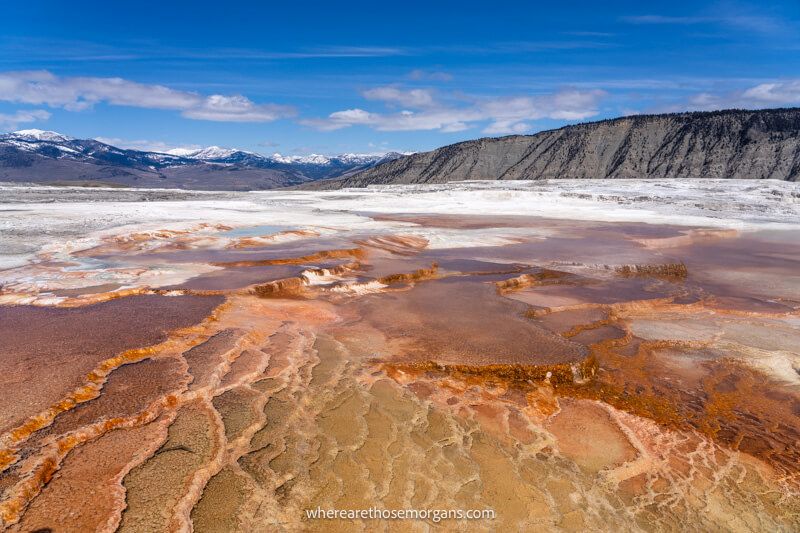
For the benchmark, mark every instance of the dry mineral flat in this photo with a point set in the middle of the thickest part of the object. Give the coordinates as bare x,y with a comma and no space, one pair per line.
574,356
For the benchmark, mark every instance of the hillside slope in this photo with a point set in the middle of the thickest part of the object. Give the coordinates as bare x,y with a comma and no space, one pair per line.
720,144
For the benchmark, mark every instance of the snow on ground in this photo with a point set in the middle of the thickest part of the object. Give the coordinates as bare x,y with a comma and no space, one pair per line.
739,204
35,218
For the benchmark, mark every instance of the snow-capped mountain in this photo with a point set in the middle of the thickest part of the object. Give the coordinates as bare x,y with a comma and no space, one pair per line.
206,154
341,159
40,135
54,145
217,154
319,166
314,166
312,159
46,156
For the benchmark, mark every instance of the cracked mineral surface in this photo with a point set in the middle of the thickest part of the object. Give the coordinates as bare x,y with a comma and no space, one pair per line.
574,356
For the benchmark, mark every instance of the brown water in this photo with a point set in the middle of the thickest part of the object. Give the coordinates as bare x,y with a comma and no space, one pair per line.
548,379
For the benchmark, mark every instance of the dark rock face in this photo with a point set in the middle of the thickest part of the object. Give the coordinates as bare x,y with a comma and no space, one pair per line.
722,144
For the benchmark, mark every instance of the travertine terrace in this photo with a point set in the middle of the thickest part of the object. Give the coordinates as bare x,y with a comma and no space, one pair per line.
576,356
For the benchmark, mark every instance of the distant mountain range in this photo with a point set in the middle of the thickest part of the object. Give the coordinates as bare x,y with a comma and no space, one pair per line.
720,144
761,144
50,157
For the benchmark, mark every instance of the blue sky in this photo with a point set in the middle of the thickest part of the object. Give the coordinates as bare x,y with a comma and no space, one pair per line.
331,77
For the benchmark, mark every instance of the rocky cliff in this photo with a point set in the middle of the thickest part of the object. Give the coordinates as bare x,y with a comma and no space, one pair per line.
720,144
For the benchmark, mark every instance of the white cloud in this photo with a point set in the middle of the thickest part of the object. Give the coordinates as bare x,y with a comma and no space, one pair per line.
506,127
454,127
419,74
236,108
734,17
341,119
351,116
770,94
782,93
410,98
78,93
12,121
426,112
